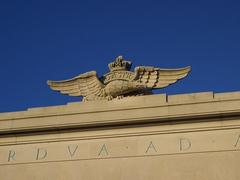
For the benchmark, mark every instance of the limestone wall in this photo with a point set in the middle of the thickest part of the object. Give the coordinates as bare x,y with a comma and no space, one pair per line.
157,137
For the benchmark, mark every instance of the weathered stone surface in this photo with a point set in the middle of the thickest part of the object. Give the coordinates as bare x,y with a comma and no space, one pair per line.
157,137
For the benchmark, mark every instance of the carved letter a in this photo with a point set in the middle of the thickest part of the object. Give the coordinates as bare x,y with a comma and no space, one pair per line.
103,150
238,141
151,146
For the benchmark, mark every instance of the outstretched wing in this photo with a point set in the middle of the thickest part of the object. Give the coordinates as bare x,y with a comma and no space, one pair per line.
86,85
159,78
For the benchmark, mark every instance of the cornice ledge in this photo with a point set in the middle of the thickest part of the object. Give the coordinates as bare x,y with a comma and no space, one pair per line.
145,109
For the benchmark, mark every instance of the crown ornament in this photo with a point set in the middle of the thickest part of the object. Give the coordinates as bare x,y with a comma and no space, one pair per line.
120,64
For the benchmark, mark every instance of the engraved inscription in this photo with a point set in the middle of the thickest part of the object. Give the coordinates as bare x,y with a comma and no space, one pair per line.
41,154
103,151
237,144
185,144
134,146
118,75
11,155
72,150
151,147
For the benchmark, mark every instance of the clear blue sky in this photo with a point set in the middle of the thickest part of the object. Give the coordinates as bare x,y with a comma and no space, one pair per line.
47,39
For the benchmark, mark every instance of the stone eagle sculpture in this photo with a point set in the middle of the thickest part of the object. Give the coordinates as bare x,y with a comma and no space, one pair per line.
119,82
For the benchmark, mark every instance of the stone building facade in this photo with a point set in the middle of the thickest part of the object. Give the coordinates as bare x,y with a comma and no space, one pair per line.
154,137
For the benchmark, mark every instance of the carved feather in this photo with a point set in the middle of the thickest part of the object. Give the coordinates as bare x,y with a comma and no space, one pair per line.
85,85
159,78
